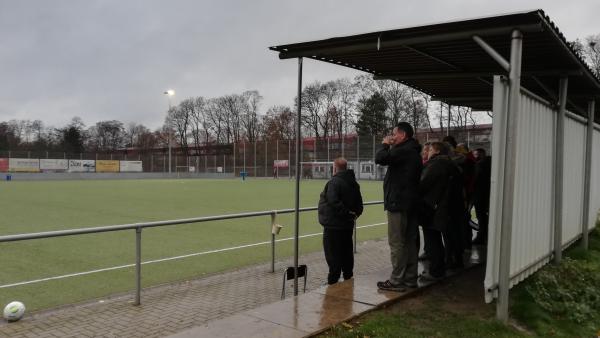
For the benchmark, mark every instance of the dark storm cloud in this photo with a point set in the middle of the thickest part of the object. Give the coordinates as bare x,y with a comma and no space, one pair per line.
113,59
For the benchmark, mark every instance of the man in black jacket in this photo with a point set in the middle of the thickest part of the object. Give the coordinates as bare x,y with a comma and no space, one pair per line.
339,206
400,153
440,185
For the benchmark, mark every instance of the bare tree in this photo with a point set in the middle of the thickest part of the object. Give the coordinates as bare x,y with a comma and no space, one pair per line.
106,135
250,119
279,123
199,123
132,134
314,109
590,51
179,118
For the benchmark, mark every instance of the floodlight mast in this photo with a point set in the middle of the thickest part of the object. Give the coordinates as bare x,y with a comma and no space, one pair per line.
169,93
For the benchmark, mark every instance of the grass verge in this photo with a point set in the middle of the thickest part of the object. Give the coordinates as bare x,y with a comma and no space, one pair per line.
557,301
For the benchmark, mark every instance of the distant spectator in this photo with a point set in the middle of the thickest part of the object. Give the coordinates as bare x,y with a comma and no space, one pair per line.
400,153
340,204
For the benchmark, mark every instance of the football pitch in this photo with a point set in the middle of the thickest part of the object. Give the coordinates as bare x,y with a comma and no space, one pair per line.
29,267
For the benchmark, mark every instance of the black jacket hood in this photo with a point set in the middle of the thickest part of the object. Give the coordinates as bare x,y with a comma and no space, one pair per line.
347,175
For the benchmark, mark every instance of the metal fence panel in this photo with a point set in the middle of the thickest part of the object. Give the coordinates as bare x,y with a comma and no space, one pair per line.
532,221
533,206
574,169
595,192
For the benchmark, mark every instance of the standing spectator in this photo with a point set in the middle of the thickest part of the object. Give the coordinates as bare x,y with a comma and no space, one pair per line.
340,204
458,234
400,153
481,193
437,187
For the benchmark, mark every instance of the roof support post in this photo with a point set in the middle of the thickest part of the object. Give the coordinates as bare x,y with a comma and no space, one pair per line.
297,202
559,168
449,119
493,53
588,175
514,102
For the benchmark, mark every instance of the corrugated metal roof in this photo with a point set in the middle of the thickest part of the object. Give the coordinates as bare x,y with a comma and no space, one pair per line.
445,62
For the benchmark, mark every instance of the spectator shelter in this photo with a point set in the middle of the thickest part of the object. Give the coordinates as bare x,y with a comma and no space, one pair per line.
545,190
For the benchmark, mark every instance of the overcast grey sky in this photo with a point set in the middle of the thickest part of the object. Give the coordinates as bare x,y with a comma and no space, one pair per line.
113,59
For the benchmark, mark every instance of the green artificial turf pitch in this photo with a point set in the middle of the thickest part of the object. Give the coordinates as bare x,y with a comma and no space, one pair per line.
27,207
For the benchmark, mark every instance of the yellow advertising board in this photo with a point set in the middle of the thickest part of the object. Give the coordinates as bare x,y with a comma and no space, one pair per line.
107,166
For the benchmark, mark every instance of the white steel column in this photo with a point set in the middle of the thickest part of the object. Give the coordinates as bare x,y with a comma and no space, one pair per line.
588,175
558,170
297,201
509,175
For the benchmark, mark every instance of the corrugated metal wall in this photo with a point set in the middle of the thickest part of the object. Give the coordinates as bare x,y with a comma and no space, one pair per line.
533,205
595,203
533,209
574,170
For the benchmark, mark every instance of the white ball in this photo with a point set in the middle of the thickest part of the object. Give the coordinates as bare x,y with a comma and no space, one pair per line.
14,311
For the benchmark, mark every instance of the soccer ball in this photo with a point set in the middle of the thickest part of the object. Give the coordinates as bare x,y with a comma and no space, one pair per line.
14,311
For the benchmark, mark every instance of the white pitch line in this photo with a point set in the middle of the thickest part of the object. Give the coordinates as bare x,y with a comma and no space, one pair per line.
167,259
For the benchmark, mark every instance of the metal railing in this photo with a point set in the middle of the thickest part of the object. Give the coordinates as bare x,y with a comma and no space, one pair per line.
138,234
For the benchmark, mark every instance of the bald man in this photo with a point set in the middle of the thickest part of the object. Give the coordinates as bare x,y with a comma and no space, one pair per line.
339,206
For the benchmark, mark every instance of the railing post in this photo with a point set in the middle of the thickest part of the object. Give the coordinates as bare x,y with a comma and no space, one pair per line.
273,214
138,266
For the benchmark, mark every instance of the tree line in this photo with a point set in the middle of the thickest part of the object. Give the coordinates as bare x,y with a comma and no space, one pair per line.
329,109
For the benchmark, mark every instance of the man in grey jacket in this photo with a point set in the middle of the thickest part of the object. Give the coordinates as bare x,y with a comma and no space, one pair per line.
400,153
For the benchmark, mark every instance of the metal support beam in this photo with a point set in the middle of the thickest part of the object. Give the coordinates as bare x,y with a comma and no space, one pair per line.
514,102
297,202
492,52
559,168
465,74
587,183
554,96
378,44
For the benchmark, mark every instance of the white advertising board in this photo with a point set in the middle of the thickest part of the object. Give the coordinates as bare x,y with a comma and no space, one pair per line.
26,165
82,166
280,164
54,164
131,166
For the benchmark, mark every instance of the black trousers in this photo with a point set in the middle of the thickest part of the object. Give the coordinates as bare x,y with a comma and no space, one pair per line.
435,251
339,253
482,210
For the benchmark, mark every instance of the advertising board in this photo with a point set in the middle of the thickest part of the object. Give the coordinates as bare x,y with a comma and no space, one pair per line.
54,165
24,165
131,166
3,165
82,166
107,166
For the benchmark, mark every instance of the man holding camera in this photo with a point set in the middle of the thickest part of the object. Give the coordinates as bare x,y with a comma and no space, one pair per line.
400,152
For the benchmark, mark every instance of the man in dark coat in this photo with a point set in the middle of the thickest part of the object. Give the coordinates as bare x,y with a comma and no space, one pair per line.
339,206
400,153
439,182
